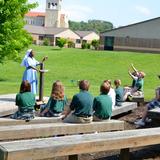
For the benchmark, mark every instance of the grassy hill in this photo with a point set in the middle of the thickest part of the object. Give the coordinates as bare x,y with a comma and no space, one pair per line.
70,65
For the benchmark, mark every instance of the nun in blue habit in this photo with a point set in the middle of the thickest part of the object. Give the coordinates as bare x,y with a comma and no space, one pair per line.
30,72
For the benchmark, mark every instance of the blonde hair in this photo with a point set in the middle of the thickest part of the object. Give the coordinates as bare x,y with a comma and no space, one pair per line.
142,74
57,92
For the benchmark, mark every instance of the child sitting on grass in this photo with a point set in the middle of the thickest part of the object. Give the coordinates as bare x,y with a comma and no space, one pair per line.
102,104
119,92
153,104
56,102
25,100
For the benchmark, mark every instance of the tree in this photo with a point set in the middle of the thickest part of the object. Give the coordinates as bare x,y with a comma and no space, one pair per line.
13,38
92,25
61,42
95,44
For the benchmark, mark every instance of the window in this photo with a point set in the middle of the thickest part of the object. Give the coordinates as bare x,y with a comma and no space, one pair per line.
49,5
41,38
78,41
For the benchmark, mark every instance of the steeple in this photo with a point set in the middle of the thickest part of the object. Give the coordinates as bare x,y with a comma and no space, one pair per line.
53,13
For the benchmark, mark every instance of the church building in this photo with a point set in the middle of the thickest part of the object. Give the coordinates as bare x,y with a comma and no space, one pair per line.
52,17
52,24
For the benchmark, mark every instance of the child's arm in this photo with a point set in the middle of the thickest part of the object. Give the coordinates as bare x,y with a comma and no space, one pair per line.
134,68
43,112
132,76
66,112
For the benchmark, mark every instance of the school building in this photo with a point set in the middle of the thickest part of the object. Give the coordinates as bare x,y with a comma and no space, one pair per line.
39,33
53,24
143,36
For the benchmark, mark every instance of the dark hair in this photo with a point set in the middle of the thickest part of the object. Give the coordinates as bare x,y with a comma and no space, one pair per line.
105,87
117,82
84,85
57,92
25,87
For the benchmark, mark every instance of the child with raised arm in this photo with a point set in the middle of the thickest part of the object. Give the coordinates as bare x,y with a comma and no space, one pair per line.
119,92
153,104
137,85
80,109
102,104
56,102
25,100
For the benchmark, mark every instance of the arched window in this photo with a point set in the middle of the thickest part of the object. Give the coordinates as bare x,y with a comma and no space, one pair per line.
49,5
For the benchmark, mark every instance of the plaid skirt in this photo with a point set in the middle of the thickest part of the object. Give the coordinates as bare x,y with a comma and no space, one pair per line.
24,115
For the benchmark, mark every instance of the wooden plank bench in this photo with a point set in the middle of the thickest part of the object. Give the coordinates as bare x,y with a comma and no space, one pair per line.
138,99
52,129
154,113
47,148
7,108
37,120
126,106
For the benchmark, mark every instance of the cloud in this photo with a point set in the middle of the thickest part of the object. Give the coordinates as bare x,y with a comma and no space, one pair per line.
78,12
143,10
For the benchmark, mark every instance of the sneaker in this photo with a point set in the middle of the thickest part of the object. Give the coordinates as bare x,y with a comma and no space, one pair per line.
140,123
148,120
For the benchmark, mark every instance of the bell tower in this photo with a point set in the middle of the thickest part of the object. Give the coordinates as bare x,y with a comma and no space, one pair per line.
53,13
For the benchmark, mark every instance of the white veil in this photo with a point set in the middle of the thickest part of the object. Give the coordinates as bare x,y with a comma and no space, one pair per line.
25,57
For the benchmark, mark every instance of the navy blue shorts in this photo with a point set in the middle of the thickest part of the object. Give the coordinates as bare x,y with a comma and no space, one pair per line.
153,104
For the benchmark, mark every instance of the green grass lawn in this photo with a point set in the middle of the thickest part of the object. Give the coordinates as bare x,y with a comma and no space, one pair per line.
70,65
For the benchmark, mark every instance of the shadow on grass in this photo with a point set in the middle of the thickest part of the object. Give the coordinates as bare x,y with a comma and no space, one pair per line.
3,80
56,49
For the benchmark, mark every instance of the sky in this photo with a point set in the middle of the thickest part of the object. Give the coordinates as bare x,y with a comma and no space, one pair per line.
118,12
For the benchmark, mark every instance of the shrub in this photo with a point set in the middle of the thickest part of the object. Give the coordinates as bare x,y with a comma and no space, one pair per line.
61,42
84,45
88,45
95,43
71,44
46,42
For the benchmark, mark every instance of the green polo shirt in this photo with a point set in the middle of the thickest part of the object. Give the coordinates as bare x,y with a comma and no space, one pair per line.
119,94
139,84
56,106
102,106
82,104
25,101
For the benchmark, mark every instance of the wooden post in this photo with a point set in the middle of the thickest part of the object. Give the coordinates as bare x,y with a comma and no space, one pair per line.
41,82
73,157
124,154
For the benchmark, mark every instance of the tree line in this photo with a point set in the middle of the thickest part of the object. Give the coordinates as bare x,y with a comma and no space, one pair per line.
92,25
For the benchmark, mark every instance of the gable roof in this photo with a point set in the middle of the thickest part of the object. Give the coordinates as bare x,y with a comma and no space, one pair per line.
43,30
35,14
130,25
83,33
147,30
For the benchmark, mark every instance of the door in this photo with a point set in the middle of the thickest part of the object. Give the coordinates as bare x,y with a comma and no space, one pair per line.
109,43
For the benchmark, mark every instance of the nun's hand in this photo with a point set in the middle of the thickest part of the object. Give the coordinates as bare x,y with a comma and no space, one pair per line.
41,71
